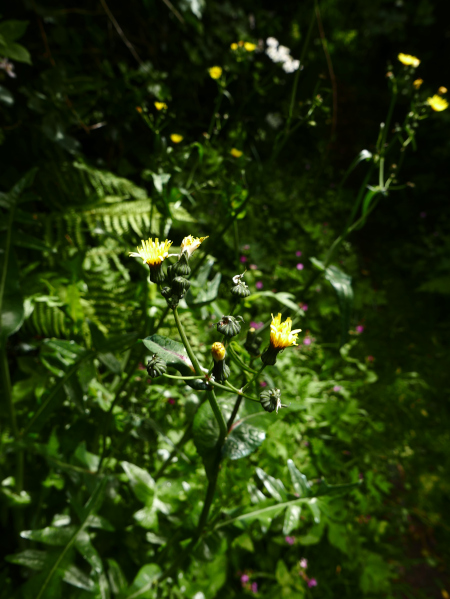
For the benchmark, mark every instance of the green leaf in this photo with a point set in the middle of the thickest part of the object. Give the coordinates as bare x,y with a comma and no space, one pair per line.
6,96
291,519
175,355
12,316
370,195
299,481
205,430
274,486
12,30
286,299
438,285
31,558
206,294
141,482
50,535
16,52
143,583
87,550
243,440
326,489
116,577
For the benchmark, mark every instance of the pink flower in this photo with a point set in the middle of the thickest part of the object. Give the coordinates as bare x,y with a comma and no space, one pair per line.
304,307
243,259
256,325
300,266
303,563
259,285
141,366
290,540
246,247
244,578
307,341
306,443
337,388
298,253
370,358
263,384
253,266
312,582
254,587
359,328
171,401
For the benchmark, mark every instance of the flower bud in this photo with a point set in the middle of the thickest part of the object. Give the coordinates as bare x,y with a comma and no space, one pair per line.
240,288
229,326
253,342
221,371
218,351
180,286
157,274
270,400
156,366
166,292
181,268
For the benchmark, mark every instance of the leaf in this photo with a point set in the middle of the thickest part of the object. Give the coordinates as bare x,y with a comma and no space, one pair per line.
142,584
50,535
291,519
87,550
243,440
12,29
77,578
116,577
205,430
206,294
12,316
370,195
141,482
160,180
16,52
6,97
299,481
274,486
175,355
286,299
326,489
31,558
437,285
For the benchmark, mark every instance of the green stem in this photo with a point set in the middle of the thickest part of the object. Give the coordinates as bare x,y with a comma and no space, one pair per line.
6,261
5,377
254,377
181,378
210,393
237,405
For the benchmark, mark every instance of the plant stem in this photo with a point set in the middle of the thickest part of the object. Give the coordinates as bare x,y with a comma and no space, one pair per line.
237,405
210,392
254,377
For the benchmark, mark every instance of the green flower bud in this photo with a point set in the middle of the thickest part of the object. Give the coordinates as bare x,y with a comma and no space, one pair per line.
229,325
157,274
221,371
269,356
240,289
181,268
156,366
166,292
180,286
270,400
253,342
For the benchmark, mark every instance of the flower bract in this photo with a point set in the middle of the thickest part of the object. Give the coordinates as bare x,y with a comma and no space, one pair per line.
281,335
190,244
408,60
437,103
152,252
215,72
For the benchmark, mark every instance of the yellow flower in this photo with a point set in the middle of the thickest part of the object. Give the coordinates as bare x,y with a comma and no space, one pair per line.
417,83
442,90
250,47
215,72
240,43
176,138
218,351
236,153
408,60
160,105
234,46
281,335
152,252
190,244
437,103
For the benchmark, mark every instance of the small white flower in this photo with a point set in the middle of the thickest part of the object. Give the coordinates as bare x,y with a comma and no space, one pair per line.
272,42
237,278
284,52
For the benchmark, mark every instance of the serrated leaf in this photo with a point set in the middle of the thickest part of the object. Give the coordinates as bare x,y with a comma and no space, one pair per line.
243,440
141,482
299,481
274,486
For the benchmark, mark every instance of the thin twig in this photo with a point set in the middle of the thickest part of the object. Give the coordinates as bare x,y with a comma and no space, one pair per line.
119,30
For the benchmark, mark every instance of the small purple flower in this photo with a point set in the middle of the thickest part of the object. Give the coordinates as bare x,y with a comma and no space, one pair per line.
298,253
423,215
290,540
259,285
307,341
303,563
263,384
306,443
171,401
256,325
337,388
304,307
254,587
243,259
312,582
359,328
244,578
300,266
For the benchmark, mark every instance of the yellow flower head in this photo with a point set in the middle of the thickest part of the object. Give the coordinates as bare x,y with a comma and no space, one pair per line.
250,47
190,244
408,60
281,335
176,138
437,103
218,351
215,72
234,46
236,153
417,83
160,105
152,252
442,90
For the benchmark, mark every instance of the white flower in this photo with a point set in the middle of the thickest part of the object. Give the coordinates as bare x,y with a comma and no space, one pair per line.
283,53
291,65
272,42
